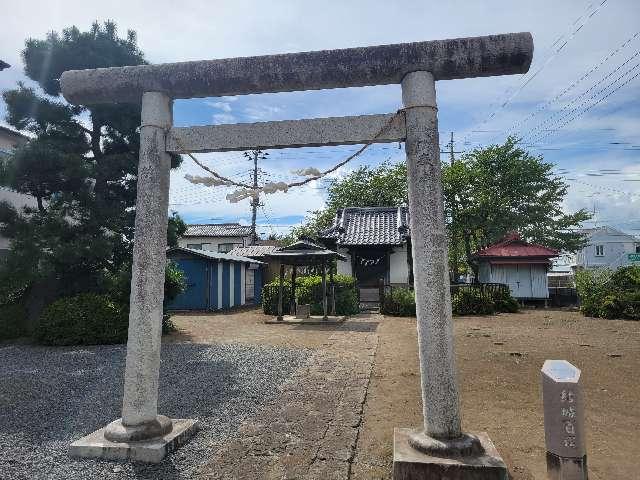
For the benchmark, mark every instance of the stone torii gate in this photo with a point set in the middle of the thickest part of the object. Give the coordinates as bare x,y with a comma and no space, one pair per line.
416,66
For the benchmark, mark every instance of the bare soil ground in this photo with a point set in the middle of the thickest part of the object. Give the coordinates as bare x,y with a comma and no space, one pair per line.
499,359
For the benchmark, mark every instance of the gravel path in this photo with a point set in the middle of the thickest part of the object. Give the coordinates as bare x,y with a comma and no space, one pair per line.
52,396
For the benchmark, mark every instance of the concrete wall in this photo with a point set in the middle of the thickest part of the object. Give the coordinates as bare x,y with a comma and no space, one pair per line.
344,267
213,242
9,142
616,247
399,266
19,201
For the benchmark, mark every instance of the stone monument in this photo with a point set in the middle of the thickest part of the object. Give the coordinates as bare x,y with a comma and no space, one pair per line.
440,443
563,404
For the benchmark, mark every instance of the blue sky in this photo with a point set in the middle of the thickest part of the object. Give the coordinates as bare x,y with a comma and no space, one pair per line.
579,106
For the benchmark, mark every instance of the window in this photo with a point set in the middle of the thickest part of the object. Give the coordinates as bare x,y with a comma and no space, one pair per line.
599,250
194,246
225,247
637,247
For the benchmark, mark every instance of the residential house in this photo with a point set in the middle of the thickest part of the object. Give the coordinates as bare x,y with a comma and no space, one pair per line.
375,242
216,237
521,265
608,247
9,141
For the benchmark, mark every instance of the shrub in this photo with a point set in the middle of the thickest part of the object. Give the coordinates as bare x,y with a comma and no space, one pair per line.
400,302
471,301
13,317
309,290
85,319
610,294
504,302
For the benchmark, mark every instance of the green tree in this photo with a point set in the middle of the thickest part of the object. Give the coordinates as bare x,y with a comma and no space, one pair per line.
488,193
502,188
385,185
80,165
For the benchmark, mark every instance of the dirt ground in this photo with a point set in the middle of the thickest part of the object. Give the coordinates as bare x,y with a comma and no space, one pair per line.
498,360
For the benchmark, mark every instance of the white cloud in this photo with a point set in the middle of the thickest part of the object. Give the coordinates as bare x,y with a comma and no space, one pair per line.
245,27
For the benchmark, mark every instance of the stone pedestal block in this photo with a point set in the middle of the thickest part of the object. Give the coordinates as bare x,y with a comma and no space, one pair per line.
95,445
410,464
562,468
303,311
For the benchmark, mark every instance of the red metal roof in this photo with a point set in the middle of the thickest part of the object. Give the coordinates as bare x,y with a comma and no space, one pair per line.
513,246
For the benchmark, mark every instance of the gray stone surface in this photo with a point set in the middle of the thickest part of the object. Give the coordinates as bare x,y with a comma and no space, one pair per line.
311,320
50,397
288,133
430,260
352,67
303,310
410,464
95,445
310,431
149,259
563,403
564,468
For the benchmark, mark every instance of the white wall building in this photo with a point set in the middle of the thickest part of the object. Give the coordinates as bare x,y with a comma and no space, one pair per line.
9,141
608,248
216,237
375,242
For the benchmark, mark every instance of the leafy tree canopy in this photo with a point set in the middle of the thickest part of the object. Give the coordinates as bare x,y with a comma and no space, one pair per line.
385,185
80,164
488,193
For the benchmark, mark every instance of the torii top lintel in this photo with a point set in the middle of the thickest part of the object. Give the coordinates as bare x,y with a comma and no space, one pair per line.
504,54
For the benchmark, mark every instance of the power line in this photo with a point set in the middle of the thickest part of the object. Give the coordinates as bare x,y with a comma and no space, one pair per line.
554,100
553,52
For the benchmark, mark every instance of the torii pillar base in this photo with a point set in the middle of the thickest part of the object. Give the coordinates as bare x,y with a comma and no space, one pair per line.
412,464
97,445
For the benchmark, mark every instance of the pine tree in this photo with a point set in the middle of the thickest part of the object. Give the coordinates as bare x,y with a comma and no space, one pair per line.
80,165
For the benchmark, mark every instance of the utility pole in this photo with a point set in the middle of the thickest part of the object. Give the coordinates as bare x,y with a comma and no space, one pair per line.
254,156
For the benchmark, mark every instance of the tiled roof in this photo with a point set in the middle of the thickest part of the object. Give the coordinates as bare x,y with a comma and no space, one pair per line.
214,255
369,226
218,230
513,246
254,251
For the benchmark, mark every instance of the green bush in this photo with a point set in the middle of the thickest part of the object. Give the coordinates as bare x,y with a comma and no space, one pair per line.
471,301
400,302
605,293
85,319
504,302
309,290
13,317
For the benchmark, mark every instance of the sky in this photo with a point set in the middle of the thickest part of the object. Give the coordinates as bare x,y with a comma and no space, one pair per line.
578,107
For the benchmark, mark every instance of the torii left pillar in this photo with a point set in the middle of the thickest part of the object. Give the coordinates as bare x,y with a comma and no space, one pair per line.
141,434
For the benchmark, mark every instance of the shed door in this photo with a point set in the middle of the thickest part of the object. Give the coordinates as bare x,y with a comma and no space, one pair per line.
195,295
518,277
249,284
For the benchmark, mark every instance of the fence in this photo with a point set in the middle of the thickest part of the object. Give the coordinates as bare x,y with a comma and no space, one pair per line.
485,290
396,300
341,299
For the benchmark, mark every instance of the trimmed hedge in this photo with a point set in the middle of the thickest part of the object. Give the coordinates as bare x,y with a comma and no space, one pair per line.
85,319
309,290
610,294
469,301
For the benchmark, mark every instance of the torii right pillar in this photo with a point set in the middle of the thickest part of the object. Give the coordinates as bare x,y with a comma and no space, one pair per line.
439,449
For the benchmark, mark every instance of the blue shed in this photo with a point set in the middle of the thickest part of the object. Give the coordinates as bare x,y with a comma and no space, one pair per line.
216,281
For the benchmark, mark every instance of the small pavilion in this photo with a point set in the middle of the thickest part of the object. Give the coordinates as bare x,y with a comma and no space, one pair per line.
299,254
